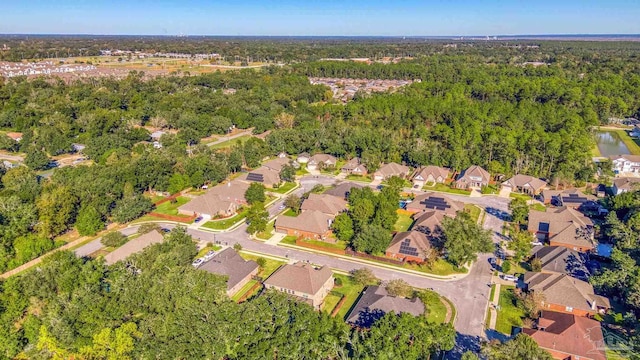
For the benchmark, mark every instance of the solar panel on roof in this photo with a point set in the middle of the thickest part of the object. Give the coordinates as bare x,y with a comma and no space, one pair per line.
255,177
435,203
407,249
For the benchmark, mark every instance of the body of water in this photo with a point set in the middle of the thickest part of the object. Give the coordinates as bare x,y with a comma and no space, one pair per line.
609,143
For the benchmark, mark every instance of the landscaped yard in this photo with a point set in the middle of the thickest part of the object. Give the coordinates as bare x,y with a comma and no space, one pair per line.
267,233
473,210
358,178
207,248
538,207
351,290
508,314
171,208
436,311
340,245
302,171
225,223
446,188
290,239
284,188
439,267
270,266
404,222
514,195
289,212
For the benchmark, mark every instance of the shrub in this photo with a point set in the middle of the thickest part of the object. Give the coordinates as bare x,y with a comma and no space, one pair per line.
114,239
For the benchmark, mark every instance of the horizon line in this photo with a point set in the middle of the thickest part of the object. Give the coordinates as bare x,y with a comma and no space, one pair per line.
334,36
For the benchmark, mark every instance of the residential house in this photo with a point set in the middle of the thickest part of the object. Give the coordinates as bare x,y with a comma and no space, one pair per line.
303,158
564,293
571,197
375,302
222,200
310,224
16,136
267,176
391,169
343,190
434,201
568,337
430,174
133,246
626,164
474,177
278,163
561,260
229,263
354,167
430,223
621,185
327,204
635,132
525,184
563,226
303,281
410,246
321,161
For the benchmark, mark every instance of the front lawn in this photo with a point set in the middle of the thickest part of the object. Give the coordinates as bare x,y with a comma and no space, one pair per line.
509,315
439,267
285,188
514,195
473,210
446,188
270,266
351,290
289,239
268,232
290,212
171,208
538,207
358,178
340,245
207,248
436,312
404,222
226,223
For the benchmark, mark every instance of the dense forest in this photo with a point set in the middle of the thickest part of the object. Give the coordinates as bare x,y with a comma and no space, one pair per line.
75,308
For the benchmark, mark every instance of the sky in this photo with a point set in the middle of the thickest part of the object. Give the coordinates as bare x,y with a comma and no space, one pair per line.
320,18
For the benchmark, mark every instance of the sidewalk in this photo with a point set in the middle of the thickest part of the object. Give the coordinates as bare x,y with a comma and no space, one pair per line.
493,305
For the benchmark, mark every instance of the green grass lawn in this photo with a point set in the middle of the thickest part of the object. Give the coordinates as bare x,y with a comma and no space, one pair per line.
404,222
473,210
446,188
490,189
269,268
340,245
508,314
514,195
302,171
290,239
243,290
436,311
229,143
170,208
284,188
207,248
351,290
290,212
330,302
439,267
358,178
538,207
268,232
493,291
226,223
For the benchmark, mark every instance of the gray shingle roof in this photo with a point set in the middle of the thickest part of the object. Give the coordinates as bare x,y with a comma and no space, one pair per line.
228,262
300,277
133,246
375,302
564,290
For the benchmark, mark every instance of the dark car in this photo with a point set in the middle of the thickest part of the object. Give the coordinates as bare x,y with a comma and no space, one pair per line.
198,219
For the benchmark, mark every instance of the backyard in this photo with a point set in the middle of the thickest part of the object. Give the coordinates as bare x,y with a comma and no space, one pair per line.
226,223
404,221
270,266
171,208
350,289
509,315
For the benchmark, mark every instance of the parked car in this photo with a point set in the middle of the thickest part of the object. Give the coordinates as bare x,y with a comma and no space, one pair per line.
536,243
165,230
209,255
197,262
510,278
281,207
198,219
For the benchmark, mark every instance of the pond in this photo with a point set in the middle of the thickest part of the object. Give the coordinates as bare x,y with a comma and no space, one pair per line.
609,143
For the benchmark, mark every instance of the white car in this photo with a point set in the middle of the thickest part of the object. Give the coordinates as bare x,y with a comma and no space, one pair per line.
281,207
536,243
209,255
510,278
197,262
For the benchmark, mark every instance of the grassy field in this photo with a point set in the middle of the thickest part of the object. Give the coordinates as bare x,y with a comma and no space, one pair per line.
446,188
439,267
270,266
170,208
226,223
230,143
473,210
351,290
286,187
436,311
404,222
508,314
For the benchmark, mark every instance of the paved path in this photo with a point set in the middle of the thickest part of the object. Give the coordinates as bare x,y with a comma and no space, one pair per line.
494,305
230,137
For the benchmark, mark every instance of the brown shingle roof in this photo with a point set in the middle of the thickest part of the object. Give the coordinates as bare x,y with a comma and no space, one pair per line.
525,181
474,171
434,171
564,290
266,176
343,189
330,205
300,277
410,243
133,246
627,183
217,199
312,221
229,263
375,302
569,334
562,223
392,169
277,163
560,259
323,158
